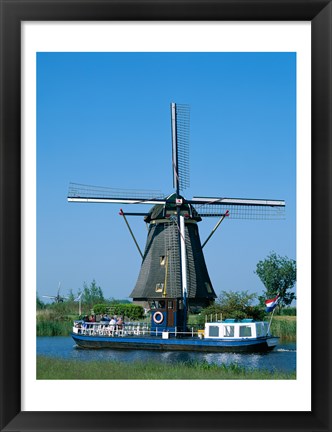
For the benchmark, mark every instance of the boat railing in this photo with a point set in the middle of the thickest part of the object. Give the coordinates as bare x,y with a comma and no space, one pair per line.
130,329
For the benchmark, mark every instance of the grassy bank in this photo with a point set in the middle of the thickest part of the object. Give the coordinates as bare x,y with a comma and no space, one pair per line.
50,368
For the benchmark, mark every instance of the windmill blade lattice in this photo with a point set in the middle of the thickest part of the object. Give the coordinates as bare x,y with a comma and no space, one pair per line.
239,208
86,193
180,138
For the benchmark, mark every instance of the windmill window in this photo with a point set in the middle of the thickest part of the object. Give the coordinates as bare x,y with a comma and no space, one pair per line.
162,260
159,287
208,287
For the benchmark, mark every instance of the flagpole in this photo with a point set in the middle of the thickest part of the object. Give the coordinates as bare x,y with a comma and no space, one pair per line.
268,329
79,307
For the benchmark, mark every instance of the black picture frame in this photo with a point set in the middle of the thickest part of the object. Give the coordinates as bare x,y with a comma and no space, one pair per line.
319,12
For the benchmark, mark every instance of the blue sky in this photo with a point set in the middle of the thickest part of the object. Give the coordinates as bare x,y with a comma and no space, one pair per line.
104,119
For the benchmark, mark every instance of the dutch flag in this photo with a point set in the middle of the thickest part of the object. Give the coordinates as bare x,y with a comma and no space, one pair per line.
271,304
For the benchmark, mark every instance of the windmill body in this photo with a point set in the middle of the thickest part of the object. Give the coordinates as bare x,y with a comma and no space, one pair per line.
173,275
160,278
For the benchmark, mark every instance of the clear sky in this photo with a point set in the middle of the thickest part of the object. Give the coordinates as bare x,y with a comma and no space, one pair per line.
104,119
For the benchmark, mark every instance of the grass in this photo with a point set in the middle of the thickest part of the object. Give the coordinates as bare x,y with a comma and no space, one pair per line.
54,328
59,369
284,327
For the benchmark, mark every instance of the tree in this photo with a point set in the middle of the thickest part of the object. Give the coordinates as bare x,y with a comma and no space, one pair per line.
278,274
92,294
239,304
71,295
234,304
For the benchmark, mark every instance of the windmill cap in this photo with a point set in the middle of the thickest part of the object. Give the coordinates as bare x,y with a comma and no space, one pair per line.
163,211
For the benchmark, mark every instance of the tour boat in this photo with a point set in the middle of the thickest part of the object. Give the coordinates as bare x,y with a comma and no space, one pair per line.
229,335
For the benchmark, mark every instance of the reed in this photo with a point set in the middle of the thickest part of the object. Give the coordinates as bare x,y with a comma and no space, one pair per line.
50,368
54,328
284,327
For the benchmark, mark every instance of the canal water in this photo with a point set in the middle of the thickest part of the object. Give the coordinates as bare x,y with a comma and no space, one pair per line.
281,359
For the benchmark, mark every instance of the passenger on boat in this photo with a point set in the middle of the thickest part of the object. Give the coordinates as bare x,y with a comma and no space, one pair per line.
92,318
119,323
105,318
113,321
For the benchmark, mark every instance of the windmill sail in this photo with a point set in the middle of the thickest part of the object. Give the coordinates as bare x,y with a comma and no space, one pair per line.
180,115
239,208
98,194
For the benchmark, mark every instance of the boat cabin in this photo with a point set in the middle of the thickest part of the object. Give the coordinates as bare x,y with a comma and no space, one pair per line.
231,328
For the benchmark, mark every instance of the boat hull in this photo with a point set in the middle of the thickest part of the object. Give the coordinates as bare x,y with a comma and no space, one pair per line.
262,344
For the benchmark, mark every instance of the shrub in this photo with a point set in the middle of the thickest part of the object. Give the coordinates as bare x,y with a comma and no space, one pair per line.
101,308
128,310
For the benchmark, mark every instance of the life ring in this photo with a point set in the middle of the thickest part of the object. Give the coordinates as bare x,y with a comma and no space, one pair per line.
158,317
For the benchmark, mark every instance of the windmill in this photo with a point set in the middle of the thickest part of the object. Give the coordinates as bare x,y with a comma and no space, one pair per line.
57,298
173,275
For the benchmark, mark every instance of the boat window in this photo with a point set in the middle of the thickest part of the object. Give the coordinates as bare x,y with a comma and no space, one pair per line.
229,331
162,260
214,331
170,304
245,331
159,287
259,329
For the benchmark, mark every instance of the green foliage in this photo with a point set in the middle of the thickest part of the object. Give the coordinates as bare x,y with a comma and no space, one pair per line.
278,274
128,310
71,296
92,294
131,311
288,311
101,308
239,305
54,328
284,327
39,303
212,310
52,322
233,304
64,308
